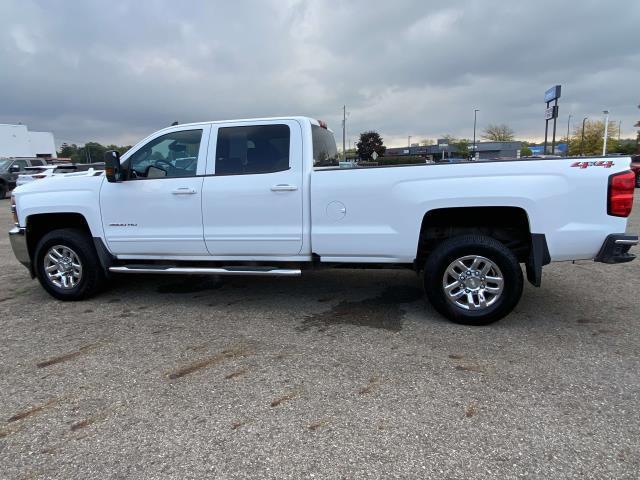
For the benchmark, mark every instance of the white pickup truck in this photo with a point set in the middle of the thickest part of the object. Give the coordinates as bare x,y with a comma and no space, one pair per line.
267,197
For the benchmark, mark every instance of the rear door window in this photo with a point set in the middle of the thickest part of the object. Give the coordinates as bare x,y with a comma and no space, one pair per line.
22,164
252,149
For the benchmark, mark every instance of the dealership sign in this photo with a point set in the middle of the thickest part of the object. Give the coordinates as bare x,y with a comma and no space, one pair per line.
552,94
551,113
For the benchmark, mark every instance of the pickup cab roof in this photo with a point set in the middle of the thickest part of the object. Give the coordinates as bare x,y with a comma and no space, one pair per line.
313,121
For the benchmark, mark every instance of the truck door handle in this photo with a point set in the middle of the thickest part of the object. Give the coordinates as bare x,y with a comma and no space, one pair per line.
283,187
184,191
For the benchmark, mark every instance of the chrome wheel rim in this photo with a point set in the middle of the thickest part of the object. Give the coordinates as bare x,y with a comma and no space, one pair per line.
472,282
63,267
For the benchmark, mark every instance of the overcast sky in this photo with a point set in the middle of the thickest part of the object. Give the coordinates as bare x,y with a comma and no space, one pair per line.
115,71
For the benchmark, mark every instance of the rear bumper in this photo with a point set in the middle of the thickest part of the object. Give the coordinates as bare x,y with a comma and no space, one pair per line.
615,248
18,238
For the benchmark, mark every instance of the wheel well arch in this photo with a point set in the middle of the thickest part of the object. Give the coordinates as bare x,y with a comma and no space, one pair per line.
507,224
40,224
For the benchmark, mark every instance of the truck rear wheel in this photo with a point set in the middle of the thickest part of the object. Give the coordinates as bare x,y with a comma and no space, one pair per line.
67,265
473,279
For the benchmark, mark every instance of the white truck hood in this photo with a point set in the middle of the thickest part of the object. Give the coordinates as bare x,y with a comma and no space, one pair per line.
61,183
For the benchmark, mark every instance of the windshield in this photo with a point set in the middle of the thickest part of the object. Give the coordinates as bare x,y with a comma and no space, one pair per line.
4,163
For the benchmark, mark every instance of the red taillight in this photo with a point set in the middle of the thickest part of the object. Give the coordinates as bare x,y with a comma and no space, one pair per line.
620,194
322,124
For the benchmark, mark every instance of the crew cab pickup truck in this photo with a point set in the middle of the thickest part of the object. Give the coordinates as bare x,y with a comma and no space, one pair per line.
267,197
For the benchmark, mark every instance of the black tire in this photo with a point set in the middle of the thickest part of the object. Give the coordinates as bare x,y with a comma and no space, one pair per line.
466,245
3,190
92,277
637,181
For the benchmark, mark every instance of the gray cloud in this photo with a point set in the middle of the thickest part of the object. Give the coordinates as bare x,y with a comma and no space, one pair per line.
116,71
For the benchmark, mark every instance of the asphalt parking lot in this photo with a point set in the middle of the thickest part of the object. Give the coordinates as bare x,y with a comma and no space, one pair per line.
337,374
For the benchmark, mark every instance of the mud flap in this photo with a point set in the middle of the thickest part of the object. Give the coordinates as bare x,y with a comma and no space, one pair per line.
538,257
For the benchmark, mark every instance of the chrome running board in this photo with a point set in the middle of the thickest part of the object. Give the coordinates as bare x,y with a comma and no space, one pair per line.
262,271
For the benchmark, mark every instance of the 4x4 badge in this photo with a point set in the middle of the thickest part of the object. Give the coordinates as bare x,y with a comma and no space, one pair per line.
598,163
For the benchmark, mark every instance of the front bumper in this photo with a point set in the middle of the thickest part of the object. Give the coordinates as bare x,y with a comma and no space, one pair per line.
615,248
18,238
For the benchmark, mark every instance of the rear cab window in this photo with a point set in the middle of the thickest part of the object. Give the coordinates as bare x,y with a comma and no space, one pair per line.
325,153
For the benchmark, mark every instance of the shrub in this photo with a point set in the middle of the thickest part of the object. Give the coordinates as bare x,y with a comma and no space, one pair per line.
400,160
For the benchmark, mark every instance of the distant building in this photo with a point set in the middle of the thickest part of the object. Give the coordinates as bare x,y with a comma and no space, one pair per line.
17,141
486,150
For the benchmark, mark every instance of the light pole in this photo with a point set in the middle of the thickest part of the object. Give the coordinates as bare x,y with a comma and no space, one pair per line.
409,143
582,140
606,132
568,123
475,117
344,131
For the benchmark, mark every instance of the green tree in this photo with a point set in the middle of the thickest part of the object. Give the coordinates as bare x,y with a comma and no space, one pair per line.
525,151
121,149
66,150
593,138
498,133
624,146
90,152
461,147
370,142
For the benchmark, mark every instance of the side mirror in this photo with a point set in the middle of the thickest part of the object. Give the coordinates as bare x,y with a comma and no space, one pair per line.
112,169
14,168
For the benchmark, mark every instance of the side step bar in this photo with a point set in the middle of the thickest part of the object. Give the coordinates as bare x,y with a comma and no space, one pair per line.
261,271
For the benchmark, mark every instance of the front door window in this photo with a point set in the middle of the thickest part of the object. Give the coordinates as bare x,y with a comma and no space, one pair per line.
172,155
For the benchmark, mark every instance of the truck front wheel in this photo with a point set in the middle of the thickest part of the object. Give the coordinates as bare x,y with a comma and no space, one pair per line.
473,279
67,265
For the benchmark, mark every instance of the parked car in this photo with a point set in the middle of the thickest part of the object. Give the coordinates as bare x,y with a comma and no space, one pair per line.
243,197
39,173
10,168
635,166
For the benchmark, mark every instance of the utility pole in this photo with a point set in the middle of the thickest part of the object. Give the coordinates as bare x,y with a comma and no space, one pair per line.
553,140
582,140
344,131
409,143
475,116
606,132
568,123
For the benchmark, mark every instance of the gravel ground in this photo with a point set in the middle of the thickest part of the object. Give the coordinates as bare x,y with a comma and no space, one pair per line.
337,374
